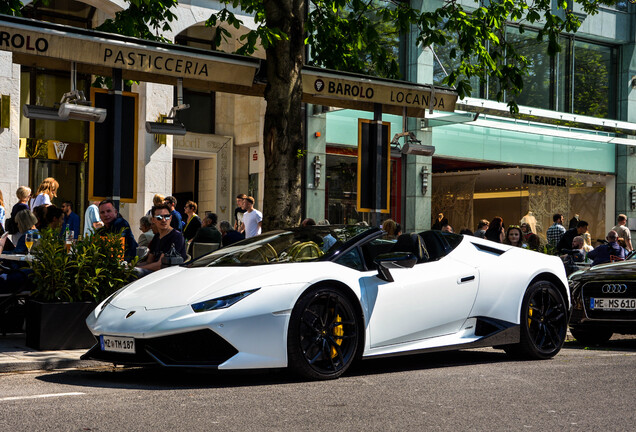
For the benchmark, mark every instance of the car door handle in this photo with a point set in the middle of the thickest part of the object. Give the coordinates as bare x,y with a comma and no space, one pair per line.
465,279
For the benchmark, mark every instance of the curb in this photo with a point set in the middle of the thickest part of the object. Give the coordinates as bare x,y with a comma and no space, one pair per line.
15,356
48,365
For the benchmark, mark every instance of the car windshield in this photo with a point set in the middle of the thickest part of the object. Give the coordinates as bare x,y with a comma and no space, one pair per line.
284,246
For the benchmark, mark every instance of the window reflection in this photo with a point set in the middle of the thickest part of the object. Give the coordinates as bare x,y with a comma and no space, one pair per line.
580,79
592,76
537,85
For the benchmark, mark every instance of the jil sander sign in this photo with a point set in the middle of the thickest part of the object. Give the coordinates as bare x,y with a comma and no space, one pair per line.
544,180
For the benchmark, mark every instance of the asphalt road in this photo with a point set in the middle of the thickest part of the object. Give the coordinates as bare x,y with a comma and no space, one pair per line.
484,390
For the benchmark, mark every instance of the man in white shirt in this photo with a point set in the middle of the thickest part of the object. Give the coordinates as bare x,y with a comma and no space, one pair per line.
623,231
252,218
91,219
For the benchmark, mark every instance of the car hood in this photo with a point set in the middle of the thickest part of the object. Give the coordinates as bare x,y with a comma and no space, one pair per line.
624,270
181,286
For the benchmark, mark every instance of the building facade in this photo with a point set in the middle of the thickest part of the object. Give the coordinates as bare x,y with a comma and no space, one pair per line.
483,166
493,165
216,159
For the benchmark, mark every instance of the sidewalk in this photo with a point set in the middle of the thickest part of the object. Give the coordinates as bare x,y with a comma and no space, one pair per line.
15,356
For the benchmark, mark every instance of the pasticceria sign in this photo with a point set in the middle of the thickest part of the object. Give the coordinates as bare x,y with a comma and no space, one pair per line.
93,48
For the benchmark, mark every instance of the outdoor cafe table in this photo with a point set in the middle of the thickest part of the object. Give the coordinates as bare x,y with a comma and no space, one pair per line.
16,257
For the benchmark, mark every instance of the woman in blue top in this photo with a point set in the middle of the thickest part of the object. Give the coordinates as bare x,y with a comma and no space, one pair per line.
2,211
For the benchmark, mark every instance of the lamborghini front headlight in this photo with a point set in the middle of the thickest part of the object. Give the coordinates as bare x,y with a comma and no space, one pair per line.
221,302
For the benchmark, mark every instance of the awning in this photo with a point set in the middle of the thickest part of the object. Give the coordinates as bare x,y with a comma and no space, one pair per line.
54,46
549,117
347,90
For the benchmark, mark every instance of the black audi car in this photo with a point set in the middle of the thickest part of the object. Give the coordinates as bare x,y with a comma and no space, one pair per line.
603,302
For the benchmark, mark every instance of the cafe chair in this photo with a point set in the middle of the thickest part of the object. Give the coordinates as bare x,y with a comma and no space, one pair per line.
142,252
14,292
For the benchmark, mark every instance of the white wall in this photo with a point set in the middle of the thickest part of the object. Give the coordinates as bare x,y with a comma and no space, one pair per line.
9,137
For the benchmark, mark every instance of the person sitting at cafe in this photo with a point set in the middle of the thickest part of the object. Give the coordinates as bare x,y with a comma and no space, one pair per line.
166,238
40,214
230,235
147,233
577,252
611,251
18,275
54,217
566,239
114,223
208,232
71,219
26,222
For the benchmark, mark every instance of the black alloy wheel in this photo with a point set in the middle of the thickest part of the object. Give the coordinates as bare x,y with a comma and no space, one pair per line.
591,336
544,320
323,334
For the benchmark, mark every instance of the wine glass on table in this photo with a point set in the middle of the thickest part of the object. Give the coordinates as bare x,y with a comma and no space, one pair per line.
28,240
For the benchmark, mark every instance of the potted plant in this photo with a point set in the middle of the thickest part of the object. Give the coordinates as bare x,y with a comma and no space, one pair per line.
68,285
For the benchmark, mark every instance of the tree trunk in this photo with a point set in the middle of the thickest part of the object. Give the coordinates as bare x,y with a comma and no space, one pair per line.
283,129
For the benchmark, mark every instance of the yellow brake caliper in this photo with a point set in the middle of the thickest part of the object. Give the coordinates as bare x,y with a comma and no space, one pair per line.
338,331
529,314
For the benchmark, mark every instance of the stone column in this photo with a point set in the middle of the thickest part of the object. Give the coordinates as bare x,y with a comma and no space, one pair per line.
10,137
417,208
154,161
316,131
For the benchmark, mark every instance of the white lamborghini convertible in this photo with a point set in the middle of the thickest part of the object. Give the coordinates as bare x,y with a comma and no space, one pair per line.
316,299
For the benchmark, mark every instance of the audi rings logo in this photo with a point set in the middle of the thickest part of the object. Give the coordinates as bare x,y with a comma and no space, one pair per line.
614,288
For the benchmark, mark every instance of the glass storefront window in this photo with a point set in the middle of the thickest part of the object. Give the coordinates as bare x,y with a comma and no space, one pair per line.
66,163
342,189
619,6
593,79
537,84
521,194
200,116
47,91
342,185
443,64
580,79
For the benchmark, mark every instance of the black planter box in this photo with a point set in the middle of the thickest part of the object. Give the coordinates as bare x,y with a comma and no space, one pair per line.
58,326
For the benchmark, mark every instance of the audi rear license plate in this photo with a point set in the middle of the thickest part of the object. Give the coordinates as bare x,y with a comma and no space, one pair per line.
117,344
615,304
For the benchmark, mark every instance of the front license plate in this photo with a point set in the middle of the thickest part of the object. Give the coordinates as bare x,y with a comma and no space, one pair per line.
615,304
117,344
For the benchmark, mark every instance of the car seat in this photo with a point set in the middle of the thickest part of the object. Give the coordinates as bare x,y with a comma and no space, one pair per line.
411,243
434,245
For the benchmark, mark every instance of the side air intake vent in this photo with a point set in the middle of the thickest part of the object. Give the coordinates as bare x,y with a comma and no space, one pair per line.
489,249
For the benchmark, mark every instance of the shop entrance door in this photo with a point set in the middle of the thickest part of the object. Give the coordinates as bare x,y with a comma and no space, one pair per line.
70,176
185,183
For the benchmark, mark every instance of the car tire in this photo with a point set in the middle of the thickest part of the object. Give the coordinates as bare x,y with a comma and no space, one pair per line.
591,336
324,334
544,320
